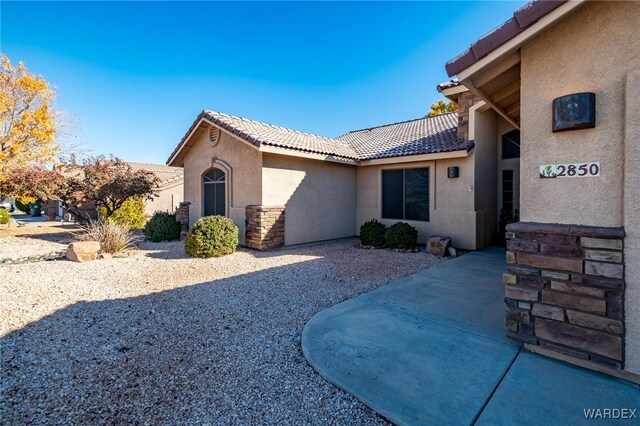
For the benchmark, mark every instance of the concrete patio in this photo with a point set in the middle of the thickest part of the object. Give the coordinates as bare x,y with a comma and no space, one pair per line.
430,349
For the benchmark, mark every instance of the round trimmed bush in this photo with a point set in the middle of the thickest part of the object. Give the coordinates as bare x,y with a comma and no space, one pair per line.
372,233
163,226
402,236
212,236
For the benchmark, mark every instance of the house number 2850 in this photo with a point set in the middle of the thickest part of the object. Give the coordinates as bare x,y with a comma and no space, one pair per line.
569,170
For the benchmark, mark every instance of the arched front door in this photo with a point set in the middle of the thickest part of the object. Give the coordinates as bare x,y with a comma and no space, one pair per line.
214,192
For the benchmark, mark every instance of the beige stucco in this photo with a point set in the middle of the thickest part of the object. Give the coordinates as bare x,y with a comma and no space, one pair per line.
168,199
451,208
482,129
566,59
632,220
319,197
241,162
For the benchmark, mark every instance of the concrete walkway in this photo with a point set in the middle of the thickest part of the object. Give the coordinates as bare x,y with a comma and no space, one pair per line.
430,349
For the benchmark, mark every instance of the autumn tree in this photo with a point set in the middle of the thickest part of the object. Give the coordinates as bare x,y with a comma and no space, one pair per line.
108,182
441,107
28,125
32,181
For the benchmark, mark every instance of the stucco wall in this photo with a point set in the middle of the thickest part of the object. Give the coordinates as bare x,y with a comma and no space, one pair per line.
167,201
319,197
485,128
593,50
632,220
244,186
451,204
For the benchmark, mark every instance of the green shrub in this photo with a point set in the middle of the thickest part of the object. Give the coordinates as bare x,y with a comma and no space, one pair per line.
212,236
24,204
163,226
113,237
402,236
130,214
372,233
4,217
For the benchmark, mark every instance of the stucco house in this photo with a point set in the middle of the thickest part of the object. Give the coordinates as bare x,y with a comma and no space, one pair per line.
170,189
551,93
566,74
284,187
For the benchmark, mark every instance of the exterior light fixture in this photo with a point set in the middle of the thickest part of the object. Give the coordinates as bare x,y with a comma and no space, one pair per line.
575,111
453,172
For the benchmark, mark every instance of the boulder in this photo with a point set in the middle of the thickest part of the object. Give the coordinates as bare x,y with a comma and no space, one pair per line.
83,251
438,246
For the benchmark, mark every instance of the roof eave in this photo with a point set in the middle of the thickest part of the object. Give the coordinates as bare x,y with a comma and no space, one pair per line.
463,152
527,23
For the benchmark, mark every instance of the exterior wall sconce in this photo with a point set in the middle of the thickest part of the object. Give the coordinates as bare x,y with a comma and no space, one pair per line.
575,111
453,172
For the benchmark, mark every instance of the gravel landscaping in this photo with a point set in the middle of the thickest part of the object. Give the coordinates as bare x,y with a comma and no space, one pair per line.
157,337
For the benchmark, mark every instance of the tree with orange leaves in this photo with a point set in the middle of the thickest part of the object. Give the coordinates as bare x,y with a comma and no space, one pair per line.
28,129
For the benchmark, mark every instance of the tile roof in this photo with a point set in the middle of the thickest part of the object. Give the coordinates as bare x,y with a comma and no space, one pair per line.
258,133
420,136
166,174
447,85
522,18
424,135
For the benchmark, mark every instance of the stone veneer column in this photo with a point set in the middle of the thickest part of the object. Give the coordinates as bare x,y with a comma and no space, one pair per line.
564,292
465,101
182,214
265,227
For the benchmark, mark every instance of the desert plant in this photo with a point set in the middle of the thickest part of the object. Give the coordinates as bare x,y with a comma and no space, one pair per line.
401,236
372,233
163,226
212,236
4,217
113,237
130,214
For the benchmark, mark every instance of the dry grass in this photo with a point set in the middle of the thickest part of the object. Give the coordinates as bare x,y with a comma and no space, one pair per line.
113,237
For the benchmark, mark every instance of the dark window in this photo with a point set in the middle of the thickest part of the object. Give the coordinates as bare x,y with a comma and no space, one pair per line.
507,191
214,193
511,145
405,194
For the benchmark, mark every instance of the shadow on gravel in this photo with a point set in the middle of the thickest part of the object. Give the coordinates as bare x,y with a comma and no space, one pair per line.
63,237
226,351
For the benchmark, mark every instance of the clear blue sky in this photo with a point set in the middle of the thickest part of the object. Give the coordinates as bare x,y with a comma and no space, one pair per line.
135,75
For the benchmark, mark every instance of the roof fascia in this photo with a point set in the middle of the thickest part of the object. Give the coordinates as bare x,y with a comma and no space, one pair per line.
270,149
456,90
415,158
513,44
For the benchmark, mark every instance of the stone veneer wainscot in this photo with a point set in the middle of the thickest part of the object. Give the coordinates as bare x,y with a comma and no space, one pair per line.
265,227
564,292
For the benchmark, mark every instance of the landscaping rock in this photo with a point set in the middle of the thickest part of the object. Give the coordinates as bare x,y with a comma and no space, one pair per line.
452,252
83,251
438,246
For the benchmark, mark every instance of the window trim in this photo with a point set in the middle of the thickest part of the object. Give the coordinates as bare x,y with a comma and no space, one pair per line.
404,193
228,175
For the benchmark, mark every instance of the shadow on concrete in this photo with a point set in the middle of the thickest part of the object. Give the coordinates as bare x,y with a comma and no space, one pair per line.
431,349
